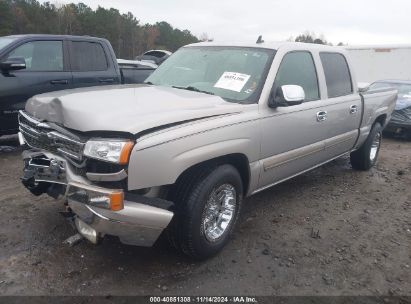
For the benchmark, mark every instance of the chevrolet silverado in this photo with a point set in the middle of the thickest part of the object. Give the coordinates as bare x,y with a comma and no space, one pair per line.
213,124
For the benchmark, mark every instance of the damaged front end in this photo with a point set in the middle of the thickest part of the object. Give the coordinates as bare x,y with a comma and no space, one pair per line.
400,122
95,192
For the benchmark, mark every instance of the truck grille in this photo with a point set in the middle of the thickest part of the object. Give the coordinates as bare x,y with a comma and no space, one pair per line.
42,136
402,116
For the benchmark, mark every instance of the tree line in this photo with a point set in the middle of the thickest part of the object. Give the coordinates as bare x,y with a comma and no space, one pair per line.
128,37
311,37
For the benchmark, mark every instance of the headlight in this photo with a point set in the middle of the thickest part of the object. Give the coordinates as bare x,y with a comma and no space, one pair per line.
109,150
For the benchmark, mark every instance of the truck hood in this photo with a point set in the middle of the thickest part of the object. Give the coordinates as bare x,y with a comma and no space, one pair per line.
125,108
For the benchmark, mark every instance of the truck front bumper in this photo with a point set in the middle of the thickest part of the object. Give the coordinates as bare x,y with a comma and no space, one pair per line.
138,223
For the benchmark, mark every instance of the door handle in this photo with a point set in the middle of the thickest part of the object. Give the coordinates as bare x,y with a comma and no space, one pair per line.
321,116
106,80
60,81
353,109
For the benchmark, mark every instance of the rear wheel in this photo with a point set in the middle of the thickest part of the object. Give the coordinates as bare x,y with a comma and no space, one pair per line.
366,157
208,203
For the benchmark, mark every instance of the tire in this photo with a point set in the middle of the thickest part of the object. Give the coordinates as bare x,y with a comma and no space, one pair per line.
366,157
191,230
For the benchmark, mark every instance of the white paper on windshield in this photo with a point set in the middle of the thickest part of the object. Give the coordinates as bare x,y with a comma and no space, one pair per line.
232,81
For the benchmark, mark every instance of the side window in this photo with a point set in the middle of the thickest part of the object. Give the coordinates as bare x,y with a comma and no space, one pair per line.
337,74
88,56
41,55
298,68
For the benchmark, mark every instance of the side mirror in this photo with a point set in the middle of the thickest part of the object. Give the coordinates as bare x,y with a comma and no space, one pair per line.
363,87
13,64
287,95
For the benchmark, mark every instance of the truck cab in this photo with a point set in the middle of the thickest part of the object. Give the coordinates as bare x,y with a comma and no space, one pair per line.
213,124
35,64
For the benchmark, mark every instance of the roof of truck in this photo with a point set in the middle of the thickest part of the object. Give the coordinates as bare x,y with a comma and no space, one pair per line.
378,47
273,45
23,36
394,81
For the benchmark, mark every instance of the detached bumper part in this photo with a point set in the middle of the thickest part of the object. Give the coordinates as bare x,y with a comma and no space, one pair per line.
136,224
86,231
135,220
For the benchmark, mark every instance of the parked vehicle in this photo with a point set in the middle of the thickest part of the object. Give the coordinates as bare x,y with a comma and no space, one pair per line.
33,64
375,62
400,123
134,71
213,124
136,63
154,56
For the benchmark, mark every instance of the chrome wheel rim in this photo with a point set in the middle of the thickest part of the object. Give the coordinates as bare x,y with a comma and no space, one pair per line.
219,212
375,146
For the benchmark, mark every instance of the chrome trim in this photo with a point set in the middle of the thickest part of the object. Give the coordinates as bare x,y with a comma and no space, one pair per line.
53,172
321,116
353,109
131,228
292,155
289,156
57,135
340,139
29,129
53,140
294,175
66,153
219,212
375,147
32,120
137,224
107,177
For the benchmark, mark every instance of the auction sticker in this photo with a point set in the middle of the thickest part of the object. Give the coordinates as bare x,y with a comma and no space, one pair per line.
232,81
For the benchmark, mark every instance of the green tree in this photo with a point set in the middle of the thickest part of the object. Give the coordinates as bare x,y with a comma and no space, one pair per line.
123,30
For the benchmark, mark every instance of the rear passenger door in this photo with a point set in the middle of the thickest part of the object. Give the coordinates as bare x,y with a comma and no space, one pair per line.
342,105
91,65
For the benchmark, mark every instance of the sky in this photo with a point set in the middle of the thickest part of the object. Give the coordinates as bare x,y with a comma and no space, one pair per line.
350,21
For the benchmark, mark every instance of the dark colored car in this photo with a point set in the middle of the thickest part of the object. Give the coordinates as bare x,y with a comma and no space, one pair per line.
34,64
400,122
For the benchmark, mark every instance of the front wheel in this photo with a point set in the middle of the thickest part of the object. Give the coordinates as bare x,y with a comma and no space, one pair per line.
208,203
366,157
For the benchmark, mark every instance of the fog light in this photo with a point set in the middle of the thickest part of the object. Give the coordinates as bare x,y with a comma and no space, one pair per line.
97,197
113,200
86,231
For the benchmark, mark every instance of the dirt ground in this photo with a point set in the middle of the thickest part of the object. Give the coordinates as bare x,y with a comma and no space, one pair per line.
332,231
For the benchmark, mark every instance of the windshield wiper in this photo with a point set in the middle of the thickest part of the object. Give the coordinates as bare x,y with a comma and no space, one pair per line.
149,83
194,89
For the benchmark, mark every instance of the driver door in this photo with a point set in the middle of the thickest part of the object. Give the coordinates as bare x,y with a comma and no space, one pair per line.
293,137
46,70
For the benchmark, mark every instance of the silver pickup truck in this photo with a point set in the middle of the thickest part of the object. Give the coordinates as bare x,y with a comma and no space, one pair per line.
213,124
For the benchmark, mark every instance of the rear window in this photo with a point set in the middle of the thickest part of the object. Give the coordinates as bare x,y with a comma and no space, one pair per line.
337,74
88,56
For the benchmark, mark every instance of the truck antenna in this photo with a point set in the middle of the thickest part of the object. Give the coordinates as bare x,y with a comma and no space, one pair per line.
260,39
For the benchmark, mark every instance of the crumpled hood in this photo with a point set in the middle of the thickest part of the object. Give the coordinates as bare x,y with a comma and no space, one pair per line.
125,108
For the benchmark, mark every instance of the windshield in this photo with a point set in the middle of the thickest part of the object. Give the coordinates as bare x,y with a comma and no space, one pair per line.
234,73
404,89
4,41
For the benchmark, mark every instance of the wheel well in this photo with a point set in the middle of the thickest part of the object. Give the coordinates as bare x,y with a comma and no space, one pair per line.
237,160
381,119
